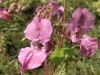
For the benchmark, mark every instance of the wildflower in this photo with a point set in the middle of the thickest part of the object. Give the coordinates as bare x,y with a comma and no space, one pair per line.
82,22
39,30
50,10
88,46
38,9
4,14
33,57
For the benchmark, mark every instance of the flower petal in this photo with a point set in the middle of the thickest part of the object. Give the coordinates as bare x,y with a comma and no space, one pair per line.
38,9
37,59
60,10
50,47
67,34
45,30
76,16
24,55
32,30
30,58
4,14
88,46
88,19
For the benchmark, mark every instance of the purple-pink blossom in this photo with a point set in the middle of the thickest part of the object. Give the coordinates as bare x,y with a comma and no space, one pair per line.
33,56
88,46
39,32
38,8
81,23
4,14
50,10
39,29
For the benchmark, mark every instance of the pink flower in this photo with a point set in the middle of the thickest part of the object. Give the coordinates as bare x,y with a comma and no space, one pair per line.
33,57
4,14
39,30
55,8
88,46
38,9
53,4
50,10
30,58
0,1
82,22
60,10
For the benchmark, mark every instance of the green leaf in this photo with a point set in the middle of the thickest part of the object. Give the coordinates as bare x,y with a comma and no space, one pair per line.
57,56
61,70
81,64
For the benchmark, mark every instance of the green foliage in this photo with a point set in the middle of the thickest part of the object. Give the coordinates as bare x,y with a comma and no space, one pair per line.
11,33
57,56
61,70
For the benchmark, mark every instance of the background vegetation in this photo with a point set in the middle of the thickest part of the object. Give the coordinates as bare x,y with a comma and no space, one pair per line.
11,34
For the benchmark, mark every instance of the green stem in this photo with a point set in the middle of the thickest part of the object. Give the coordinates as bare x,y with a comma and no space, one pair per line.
64,10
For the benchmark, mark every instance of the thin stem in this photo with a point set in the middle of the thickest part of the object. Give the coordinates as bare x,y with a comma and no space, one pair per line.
46,67
64,10
64,20
53,69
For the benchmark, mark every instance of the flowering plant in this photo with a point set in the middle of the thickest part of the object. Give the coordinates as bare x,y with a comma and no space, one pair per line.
48,32
41,28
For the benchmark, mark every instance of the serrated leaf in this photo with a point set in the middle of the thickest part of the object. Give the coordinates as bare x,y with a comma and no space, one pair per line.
57,56
58,52
61,70
69,51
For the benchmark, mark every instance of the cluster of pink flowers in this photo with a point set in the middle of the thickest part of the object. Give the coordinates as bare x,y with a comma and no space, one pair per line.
39,32
4,14
50,10
82,22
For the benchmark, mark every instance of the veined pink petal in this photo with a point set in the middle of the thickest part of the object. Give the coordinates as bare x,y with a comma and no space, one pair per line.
4,14
30,58
88,46
67,34
22,54
39,30
73,36
45,30
81,23
37,59
76,17
88,19
32,30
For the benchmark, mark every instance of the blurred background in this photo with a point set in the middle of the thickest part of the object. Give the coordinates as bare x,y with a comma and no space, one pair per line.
11,34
